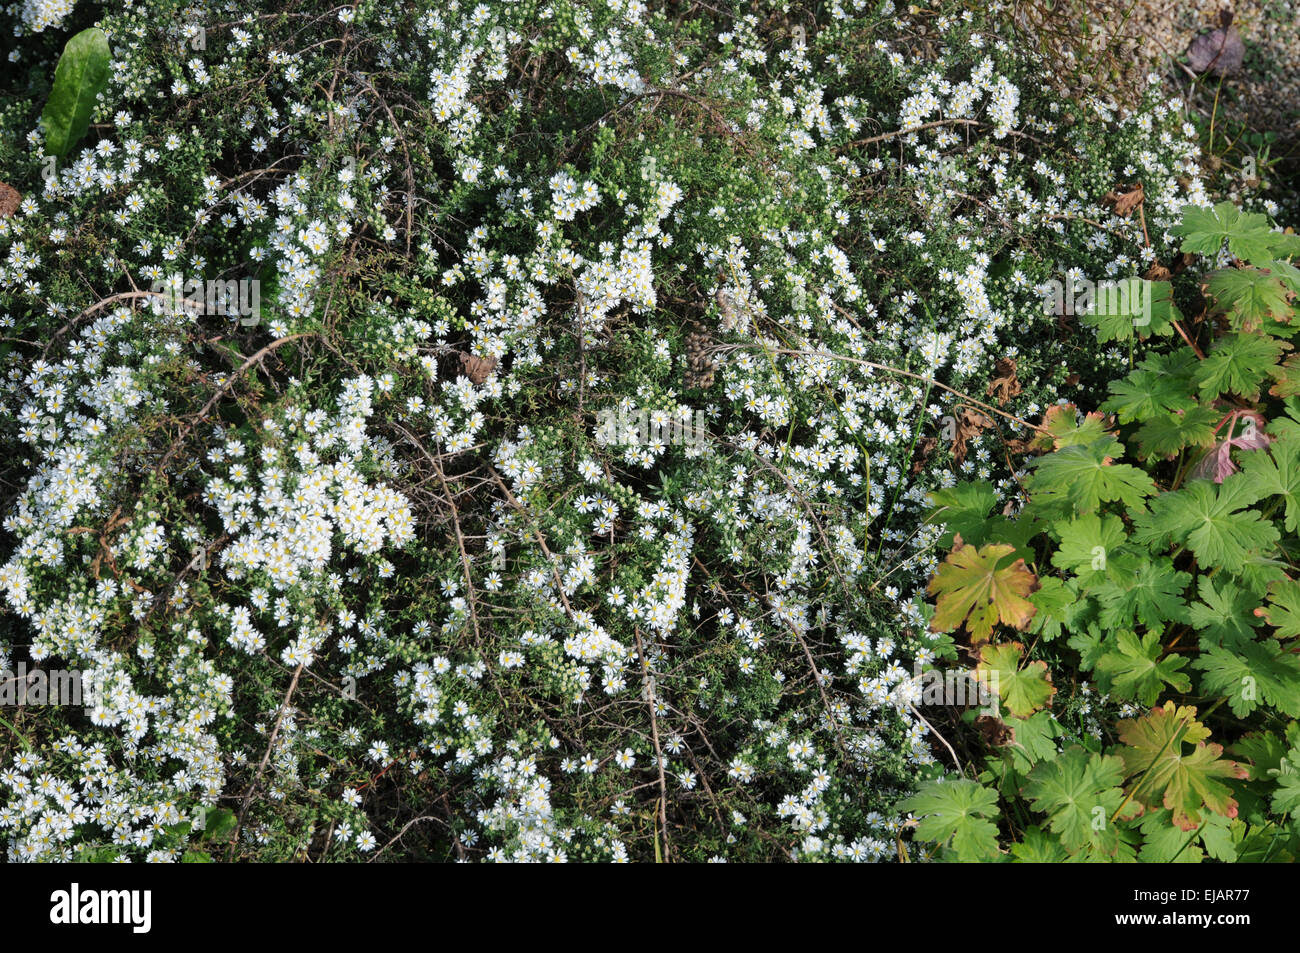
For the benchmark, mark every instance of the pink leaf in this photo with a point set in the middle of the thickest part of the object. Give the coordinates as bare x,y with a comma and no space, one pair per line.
1217,463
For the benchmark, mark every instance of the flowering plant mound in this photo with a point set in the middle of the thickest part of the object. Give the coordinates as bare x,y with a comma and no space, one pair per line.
558,489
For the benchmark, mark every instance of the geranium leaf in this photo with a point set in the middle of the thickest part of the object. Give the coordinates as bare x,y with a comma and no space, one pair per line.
1079,791
1164,774
1249,297
956,812
972,589
1137,671
1023,690
1085,477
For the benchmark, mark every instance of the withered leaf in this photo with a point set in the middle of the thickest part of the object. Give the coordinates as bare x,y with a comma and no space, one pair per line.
478,368
9,200
924,447
1157,272
1005,384
997,733
1124,199
970,423
1219,51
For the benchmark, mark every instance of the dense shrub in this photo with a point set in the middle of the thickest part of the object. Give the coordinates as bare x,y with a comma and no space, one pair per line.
391,566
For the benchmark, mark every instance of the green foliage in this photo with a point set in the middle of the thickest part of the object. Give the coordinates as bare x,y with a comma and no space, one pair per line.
956,813
1171,579
1024,687
1134,308
1248,234
82,74
1079,791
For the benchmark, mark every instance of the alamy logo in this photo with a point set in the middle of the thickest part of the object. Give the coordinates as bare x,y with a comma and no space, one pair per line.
38,687
242,299
1130,297
641,428
958,687
77,906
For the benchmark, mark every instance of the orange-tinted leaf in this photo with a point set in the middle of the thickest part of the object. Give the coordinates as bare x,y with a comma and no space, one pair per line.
972,590
1164,775
1062,431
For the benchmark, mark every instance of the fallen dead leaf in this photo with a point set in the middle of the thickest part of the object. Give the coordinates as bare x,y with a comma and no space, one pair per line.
997,733
1005,384
478,368
1219,51
1157,272
10,199
1124,199
924,447
970,423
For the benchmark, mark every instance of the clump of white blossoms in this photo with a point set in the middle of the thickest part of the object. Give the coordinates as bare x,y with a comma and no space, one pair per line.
40,15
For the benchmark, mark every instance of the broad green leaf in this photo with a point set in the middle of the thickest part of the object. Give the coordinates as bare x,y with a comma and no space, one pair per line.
1225,616
218,823
1053,600
1023,690
963,509
1088,544
1283,609
971,589
1265,750
1039,847
1063,429
1079,791
955,811
1035,740
1247,233
1091,644
1163,774
1152,594
1251,675
1288,377
1131,307
1286,800
1216,836
1163,843
1251,298
1085,478
1136,670
1211,519
1158,384
79,78
1237,364
1276,472
1165,434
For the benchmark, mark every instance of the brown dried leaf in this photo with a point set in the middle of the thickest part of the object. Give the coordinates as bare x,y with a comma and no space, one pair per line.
924,447
477,368
970,423
1220,51
1005,384
1157,272
997,733
1124,199
9,200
